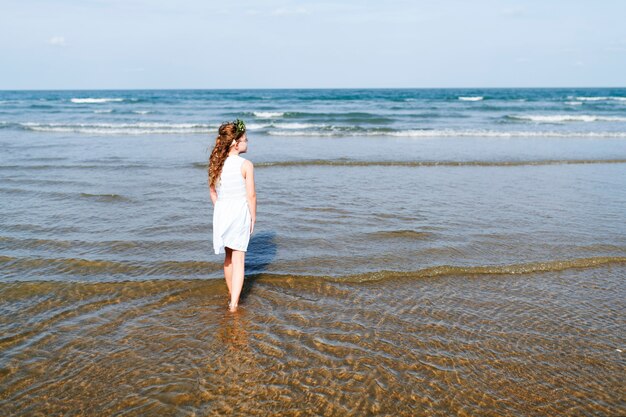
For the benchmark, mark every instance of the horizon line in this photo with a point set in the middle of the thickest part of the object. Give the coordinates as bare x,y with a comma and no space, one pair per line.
303,88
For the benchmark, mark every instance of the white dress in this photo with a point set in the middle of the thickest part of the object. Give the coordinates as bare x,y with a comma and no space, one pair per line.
231,215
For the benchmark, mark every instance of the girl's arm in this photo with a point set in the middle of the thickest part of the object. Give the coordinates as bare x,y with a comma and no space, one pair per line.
213,194
248,174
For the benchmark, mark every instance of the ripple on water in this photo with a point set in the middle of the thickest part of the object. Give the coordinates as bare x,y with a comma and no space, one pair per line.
504,344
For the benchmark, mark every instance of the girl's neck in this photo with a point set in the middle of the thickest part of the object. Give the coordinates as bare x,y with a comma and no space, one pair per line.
233,153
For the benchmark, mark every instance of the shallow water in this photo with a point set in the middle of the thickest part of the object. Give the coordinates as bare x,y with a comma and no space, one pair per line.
140,209
390,272
531,344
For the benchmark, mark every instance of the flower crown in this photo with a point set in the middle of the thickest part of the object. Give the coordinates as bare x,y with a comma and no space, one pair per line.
240,126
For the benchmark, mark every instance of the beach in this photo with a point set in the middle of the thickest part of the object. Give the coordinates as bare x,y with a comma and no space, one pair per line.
485,344
417,252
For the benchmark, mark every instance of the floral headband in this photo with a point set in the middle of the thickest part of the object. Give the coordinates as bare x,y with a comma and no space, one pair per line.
239,125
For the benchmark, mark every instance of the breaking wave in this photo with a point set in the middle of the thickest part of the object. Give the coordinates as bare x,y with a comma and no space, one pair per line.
90,100
560,118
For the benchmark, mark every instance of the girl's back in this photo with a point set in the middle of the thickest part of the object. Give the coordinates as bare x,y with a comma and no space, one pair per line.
231,183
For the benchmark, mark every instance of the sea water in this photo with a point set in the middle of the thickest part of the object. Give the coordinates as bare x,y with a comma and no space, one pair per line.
442,250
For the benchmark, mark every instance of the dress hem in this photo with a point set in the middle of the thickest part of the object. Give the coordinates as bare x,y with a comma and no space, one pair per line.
223,250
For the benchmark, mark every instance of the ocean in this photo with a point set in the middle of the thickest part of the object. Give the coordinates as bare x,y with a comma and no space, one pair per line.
416,252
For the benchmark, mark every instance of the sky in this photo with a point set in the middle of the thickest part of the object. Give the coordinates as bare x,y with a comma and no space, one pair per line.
137,44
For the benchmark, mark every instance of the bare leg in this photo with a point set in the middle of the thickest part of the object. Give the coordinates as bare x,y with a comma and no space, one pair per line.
228,269
238,262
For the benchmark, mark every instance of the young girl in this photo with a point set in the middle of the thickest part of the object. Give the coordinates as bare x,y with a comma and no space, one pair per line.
231,180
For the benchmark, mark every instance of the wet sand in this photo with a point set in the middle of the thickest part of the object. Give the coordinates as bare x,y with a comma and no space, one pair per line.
489,344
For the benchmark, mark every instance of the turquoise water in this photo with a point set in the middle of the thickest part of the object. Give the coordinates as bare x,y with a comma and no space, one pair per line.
598,112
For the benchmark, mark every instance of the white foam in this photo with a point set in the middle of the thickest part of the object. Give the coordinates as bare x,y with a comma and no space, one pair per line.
601,98
121,128
296,125
471,98
142,111
574,103
90,100
455,133
103,111
268,114
560,118
256,126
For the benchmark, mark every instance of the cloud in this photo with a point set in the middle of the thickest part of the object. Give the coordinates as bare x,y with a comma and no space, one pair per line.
514,12
56,41
284,12
617,46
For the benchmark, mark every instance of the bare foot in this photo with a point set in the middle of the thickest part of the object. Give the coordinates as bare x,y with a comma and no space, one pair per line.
232,307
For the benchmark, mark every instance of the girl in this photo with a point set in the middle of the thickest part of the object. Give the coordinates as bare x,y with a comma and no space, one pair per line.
231,180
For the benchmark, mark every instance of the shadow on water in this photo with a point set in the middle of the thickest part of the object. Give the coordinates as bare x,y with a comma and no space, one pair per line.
261,253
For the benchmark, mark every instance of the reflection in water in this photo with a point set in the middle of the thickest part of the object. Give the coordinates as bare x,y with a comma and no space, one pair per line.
232,333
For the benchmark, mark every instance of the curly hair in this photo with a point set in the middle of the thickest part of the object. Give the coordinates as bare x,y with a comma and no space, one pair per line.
227,132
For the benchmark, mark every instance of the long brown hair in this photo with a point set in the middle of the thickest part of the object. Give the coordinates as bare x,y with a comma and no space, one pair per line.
227,133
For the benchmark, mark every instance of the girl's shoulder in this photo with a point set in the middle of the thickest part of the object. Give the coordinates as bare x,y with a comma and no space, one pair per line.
237,158
243,160
240,159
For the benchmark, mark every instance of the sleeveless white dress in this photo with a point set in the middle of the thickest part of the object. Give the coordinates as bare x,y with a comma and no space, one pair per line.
231,215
